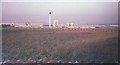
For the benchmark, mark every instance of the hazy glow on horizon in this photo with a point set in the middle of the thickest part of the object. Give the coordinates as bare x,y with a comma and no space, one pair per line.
76,12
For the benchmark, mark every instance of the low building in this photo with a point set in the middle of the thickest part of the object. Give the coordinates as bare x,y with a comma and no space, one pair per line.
55,23
69,25
87,27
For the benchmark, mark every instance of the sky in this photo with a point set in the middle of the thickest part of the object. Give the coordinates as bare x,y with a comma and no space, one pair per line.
76,12
59,0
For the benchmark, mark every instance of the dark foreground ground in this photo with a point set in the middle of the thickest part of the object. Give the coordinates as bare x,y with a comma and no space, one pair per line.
55,46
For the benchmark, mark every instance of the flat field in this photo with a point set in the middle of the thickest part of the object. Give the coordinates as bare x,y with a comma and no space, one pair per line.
54,46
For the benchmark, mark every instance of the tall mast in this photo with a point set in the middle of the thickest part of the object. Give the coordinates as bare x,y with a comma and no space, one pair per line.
49,19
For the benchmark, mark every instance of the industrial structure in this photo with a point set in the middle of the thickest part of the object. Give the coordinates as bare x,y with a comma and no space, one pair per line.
50,19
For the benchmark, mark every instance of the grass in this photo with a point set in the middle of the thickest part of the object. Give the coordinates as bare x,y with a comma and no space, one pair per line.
44,45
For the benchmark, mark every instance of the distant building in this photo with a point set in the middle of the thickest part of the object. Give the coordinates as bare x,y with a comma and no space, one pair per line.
87,26
69,25
55,23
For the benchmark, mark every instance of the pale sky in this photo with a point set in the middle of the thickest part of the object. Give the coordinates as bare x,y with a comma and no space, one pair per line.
59,0
76,12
